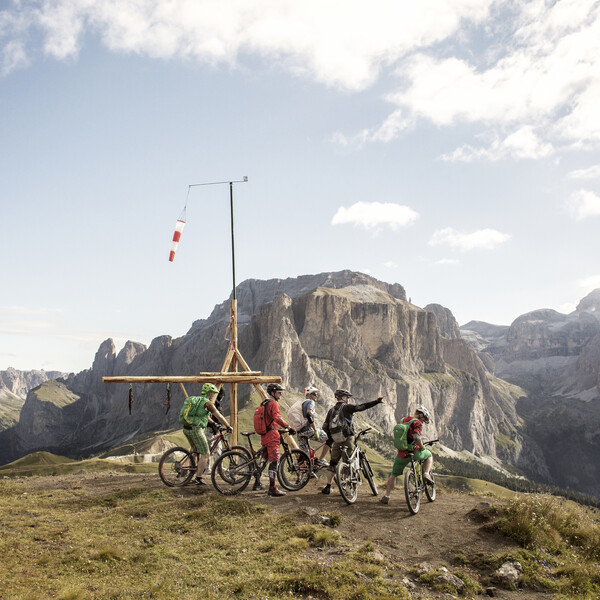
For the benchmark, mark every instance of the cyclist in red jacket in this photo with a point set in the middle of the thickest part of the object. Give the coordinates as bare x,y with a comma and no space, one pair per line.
270,439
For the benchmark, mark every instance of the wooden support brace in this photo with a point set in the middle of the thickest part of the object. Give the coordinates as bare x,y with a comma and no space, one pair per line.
238,377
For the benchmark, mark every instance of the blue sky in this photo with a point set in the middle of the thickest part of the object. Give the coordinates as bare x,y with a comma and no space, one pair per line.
450,146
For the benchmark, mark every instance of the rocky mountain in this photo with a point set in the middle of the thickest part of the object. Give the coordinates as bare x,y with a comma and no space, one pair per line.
334,330
556,358
14,386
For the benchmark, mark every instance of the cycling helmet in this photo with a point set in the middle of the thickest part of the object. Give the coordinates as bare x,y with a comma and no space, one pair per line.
274,387
340,393
311,389
209,388
425,412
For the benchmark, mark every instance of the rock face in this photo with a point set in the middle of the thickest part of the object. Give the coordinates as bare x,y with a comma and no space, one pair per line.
19,383
14,385
556,359
333,330
445,320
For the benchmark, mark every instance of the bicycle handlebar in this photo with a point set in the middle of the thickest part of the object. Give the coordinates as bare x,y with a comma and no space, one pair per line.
431,442
362,432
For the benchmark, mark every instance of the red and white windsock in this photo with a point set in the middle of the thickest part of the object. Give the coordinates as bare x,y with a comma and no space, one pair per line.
176,237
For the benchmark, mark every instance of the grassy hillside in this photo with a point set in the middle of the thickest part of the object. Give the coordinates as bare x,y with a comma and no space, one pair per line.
45,463
111,537
56,393
10,409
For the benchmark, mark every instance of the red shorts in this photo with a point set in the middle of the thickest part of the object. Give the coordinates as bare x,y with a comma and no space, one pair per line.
272,442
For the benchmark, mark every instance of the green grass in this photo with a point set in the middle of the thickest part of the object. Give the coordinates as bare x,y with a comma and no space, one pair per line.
560,543
162,544
56,393
44,463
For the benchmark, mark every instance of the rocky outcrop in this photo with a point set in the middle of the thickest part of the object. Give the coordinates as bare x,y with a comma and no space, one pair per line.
14,386
447,324
556,359
18,383
590,304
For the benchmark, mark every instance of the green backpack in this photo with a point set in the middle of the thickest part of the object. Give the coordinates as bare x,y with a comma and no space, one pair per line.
400,436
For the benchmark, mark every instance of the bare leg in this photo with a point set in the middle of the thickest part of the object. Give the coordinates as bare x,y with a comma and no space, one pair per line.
202,462
428,464
324,452
389,486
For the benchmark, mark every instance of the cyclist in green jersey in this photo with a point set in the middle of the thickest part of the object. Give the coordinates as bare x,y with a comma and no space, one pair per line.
194,416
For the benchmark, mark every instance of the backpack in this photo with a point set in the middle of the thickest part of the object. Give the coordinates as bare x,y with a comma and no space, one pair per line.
188,415
337,424
295,418
260,418
401,436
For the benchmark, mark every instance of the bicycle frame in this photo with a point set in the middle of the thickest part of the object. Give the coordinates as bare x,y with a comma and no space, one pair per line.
414,484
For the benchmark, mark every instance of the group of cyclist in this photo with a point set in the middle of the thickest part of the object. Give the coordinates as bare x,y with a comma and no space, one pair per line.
199,412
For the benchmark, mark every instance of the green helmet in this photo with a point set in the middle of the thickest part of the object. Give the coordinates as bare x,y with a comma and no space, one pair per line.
209,388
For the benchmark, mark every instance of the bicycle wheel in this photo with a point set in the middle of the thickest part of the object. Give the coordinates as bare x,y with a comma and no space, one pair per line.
368,473
294,470
232,473
176,466
430,488
412,492
348,485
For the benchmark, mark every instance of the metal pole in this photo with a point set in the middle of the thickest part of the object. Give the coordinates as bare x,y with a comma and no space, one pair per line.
232,237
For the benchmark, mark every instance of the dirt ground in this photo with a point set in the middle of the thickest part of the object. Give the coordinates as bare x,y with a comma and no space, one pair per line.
449,526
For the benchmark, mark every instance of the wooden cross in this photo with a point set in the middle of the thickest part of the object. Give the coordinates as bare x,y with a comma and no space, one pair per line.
229,374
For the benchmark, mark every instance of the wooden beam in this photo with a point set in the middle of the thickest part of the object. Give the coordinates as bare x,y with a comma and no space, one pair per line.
238,377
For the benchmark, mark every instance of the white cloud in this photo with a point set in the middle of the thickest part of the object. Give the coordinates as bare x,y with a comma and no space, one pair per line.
447,261
13,56
343,43
582,204
530,70
373,215
541,90
522,143
390,264
589,173
591,282
487,239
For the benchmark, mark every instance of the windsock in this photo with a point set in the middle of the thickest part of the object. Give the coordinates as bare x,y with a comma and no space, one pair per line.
176,237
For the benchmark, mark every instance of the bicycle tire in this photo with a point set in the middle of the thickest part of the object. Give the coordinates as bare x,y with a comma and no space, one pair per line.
176,466
412,492
348,488
365,465
294,470
430,488
232,472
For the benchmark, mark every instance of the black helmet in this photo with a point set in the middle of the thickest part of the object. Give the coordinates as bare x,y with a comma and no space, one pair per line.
274,387
340,393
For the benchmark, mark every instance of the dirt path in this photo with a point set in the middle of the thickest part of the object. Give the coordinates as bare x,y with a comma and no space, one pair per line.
436,535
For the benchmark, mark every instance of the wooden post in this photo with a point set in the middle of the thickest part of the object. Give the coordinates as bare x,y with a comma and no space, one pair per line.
233,408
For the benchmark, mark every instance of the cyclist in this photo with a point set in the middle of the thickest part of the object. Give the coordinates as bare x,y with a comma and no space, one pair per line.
346,411
421,415
212,431
273,420
194,416
309,430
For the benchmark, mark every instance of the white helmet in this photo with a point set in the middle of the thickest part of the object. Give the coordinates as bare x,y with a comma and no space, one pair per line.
311,389
425,412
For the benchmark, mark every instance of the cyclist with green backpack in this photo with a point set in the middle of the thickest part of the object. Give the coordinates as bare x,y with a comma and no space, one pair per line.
407,438
194,415
340,429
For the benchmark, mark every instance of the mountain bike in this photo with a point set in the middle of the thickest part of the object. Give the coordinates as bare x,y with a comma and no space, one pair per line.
415,485
348,471
233,470
178,465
